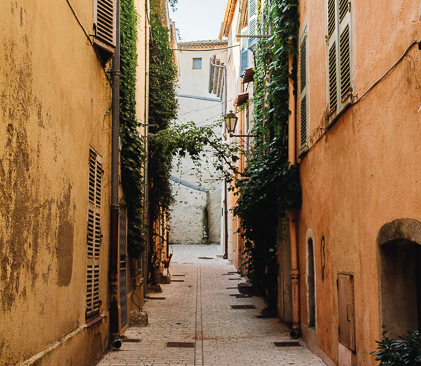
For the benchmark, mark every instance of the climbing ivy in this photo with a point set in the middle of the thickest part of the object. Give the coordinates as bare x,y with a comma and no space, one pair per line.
272,187
133,155
163,108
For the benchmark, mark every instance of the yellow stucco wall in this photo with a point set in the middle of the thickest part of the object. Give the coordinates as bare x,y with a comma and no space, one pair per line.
54,102
364,171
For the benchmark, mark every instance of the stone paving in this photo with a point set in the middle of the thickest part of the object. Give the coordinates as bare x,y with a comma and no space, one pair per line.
198,311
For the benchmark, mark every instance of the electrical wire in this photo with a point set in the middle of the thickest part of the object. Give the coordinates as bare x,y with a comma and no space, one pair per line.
89,39
206,49
369,89
387,73
201,109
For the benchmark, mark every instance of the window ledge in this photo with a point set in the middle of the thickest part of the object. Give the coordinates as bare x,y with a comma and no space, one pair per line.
95,321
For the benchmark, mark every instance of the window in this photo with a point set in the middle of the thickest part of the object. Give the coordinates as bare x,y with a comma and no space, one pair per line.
94,235
252,21
339,57
197,63
304,93
104,29
244,61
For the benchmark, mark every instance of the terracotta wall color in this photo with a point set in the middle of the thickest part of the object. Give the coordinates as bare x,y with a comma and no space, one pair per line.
364,171
54,98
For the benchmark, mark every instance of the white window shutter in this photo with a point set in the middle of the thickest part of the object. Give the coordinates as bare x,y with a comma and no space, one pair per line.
252,21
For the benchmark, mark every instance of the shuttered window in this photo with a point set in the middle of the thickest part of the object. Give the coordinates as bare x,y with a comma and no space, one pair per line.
94,235
304,91
339,56
252,21
244,61
104,28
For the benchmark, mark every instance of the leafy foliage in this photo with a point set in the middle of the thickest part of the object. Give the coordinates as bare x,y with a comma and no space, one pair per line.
133,155
399,352
163,108
273,186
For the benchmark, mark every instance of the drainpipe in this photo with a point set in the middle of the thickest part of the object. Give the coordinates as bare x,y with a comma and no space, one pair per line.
225,220
115,209
293,220
225,181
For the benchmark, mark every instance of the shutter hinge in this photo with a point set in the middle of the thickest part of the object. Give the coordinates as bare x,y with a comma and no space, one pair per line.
349,6
339,329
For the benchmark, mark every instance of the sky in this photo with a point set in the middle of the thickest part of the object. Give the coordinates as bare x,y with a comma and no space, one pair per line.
198,20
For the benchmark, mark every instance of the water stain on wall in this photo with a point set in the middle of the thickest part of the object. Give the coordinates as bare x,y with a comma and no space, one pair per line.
65,241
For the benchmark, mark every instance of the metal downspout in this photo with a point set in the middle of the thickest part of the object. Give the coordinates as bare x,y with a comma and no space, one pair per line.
115,209
225,181
293,219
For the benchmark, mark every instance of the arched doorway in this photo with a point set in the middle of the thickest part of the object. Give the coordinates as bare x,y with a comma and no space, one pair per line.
400,277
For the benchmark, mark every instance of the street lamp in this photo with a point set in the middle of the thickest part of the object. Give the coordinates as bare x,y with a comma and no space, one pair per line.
231,122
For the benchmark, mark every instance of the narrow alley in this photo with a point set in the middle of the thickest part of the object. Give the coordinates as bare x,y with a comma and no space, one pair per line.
196,310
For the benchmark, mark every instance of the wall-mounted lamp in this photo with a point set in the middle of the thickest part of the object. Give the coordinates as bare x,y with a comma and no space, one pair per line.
231,122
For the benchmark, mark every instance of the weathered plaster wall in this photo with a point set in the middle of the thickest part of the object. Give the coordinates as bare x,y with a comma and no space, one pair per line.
53,97
190,207
364,171
195,82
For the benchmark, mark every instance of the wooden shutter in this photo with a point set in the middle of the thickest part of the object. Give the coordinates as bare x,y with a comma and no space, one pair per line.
104,29
304,99
346,310
252,21
344,52
94,235
244,60
104,21
339,56
332,55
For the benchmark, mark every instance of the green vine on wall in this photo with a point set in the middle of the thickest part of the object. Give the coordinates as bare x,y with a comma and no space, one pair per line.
273,186
133,155
163,107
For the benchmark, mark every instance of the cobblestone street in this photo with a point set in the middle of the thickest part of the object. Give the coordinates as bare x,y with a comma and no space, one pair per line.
196,309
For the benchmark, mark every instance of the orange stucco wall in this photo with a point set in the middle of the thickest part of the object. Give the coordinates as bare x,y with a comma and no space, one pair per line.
364,171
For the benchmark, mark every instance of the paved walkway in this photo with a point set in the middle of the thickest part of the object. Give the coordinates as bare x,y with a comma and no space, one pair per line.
197,310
